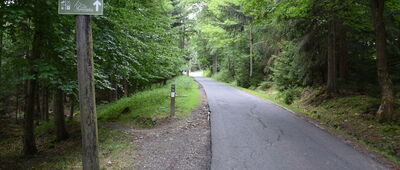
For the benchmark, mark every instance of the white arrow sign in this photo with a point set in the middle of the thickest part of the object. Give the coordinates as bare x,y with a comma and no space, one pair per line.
97,4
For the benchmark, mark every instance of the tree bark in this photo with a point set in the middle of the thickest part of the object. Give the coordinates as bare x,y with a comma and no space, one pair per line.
17,106
126,88
115,92
331,87
386,109
59,117
90,158
342,45
72,110
37,102
215,64
45,107
1,45
189,67
251,47
29,137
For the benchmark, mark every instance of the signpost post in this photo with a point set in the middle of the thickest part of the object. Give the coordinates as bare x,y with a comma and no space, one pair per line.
84,43
172,106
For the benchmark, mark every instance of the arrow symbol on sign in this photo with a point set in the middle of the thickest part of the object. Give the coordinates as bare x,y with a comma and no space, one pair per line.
97,4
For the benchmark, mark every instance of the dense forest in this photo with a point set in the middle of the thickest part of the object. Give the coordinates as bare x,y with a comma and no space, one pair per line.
136,44
345,47
330,50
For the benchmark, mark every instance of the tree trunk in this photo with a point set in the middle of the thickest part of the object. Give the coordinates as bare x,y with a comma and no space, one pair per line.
251,48
342,45
115,92
215,64
29,137
126,88
45,107
59,120
37,102
331,87
72,110
189,67
17,106
1,45
386,109
84,41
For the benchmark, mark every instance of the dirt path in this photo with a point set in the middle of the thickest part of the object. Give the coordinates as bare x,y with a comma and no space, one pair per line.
175,144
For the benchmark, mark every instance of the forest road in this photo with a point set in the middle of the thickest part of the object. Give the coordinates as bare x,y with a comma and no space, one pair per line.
250,133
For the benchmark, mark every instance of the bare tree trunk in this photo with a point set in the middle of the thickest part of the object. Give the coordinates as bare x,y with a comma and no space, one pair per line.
189,67
342,45
115,94
331,87
72,110
45,108
29,137
59,120
215,64
1,45
17,106
251,47
90,157
386,109
37,102
126,88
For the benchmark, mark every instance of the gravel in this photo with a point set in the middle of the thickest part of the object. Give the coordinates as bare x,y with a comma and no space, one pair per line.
175,144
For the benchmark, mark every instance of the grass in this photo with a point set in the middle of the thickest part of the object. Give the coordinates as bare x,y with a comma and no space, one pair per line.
62,155
145,108
350,116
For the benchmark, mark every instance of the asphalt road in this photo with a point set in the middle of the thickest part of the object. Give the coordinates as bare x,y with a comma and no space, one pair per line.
250,133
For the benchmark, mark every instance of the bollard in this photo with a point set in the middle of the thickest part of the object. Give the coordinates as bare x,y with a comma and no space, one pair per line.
173,95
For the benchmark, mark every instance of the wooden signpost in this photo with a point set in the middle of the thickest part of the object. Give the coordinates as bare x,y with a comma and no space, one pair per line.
84,43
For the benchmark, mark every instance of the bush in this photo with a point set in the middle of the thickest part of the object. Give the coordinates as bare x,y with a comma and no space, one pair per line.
265,85
207,73
223,76
289,95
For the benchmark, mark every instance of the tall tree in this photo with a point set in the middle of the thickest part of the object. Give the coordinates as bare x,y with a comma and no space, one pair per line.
386,109
331,87
29,137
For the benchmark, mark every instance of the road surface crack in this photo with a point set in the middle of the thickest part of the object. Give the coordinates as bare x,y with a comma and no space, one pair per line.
254,115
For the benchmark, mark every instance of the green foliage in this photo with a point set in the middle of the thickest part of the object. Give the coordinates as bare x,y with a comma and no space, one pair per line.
207,73
223,76
288,71
135,45
289,95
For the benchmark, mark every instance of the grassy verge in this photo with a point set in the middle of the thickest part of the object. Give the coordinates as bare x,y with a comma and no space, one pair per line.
144,109
61,155
350,116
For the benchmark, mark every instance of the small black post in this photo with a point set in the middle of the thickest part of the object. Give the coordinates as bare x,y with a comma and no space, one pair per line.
172,107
